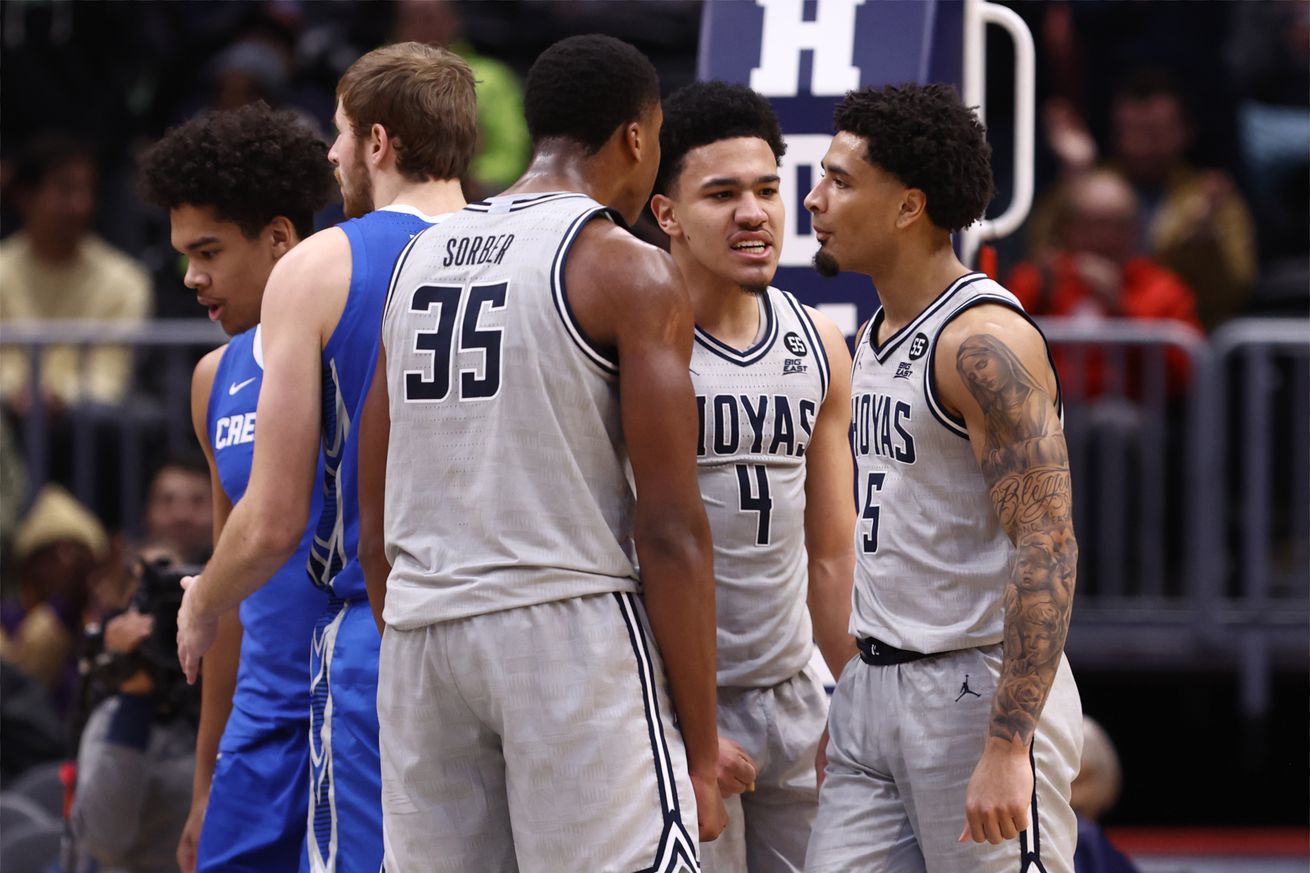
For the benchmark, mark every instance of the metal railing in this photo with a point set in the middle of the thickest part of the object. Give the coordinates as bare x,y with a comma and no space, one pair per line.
154,417
1192,492
1192,495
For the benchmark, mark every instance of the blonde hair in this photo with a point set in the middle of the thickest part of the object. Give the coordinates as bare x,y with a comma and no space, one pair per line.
424,97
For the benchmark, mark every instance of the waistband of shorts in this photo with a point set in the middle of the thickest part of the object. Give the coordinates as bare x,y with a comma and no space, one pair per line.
879,654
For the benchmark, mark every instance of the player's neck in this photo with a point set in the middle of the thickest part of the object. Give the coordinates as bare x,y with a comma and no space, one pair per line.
561,167
913,280
434,197
721,307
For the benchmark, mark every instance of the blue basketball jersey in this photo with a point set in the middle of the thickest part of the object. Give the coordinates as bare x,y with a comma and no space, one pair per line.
376,241
278,619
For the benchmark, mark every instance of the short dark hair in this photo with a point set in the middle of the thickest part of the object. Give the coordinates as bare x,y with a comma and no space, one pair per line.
925,137
425,97
706,112
1147,83
45,153
183,460
249,165
583,88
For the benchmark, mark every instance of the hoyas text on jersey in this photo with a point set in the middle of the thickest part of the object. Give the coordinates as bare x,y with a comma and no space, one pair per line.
733,424
233,430
878,424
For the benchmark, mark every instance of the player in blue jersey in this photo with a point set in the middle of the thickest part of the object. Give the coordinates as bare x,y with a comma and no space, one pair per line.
241,189
406,116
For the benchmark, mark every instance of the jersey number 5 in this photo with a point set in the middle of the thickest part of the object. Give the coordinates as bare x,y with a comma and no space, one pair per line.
454,305
871,512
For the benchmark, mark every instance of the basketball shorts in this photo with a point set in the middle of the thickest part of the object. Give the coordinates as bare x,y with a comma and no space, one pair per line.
903,743
779,727
345,790
255,820
539,739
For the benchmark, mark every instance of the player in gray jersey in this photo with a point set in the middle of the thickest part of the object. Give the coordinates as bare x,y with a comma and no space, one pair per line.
531,349
772,381
954,744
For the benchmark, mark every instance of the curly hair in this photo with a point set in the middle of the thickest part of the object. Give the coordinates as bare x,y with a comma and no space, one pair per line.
584,87
706,112
249,165
925,137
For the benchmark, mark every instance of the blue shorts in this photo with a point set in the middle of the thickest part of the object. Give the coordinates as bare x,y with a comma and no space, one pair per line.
346,776
258,805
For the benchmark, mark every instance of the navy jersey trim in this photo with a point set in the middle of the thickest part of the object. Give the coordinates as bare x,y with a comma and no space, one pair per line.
527,201
882,352
395,271
676,847
1032,859
812,333
590,349
756,352
953,423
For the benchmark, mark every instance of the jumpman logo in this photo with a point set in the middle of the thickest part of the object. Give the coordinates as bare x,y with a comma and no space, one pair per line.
965,689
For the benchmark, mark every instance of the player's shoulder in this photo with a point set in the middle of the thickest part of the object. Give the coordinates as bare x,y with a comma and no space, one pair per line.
207,367
610,254
1000,320
832,336
309,272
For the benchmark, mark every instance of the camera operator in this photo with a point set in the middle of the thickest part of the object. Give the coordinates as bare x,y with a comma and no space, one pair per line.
137,750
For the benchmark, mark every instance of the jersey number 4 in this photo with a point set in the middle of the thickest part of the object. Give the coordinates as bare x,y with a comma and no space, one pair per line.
465,306
755,498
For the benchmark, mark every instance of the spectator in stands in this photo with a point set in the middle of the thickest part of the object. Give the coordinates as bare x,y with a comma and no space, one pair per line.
54,267
137,753
503,146
56,548
1193,220
179,508
1093,793
1092,269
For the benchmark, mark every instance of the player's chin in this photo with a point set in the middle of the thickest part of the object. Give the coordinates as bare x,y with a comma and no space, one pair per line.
825,264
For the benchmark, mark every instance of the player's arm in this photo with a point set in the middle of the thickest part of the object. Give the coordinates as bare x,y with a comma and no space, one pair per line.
992,368
628,296
305,293
374,436
219,670
830,507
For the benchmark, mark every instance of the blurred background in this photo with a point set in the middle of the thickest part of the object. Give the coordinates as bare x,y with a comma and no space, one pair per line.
1167,254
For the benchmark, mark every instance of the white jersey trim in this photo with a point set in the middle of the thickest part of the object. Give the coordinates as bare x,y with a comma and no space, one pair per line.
883,351
812,333
395,276
560,296
757,351
951,422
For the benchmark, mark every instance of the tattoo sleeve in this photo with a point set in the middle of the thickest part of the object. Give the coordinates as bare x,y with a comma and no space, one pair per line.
1026,465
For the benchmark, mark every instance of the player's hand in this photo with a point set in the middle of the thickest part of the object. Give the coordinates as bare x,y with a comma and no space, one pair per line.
187,846
1000,791
821,759
736,770
712,815
195,632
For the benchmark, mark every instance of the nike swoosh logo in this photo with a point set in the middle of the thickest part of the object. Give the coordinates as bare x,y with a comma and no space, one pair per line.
237,386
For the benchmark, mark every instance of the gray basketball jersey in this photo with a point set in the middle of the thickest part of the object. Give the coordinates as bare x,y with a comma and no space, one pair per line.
932,559
757,411
506,473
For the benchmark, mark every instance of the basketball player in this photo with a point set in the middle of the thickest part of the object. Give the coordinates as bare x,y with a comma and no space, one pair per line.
241,189
532,346
407,130
954,743
772,380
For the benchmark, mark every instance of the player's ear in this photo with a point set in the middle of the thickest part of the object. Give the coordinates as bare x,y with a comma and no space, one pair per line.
662,208
379,143
635,140
914,203
282,235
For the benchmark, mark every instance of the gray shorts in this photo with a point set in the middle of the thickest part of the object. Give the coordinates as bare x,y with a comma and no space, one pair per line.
903,744
533,739
779,727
